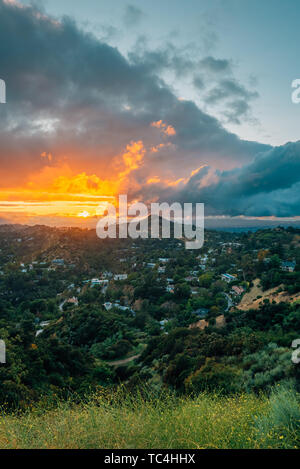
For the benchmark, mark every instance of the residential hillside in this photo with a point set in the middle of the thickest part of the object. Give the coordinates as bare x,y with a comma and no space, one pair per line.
77,312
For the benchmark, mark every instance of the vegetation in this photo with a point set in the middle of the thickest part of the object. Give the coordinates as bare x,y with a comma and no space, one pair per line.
121,420
171,322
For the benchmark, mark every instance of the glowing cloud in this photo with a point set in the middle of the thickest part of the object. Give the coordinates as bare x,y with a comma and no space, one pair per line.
165,128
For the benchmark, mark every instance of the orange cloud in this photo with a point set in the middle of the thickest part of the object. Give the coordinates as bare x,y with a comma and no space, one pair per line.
153,180
175,183
47,155
165,128
156,148
59,191
132,158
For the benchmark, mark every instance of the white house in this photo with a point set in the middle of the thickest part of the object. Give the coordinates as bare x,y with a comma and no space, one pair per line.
228,278
120,276
288,266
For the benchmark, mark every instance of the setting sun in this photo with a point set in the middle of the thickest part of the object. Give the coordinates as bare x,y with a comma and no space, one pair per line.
84,214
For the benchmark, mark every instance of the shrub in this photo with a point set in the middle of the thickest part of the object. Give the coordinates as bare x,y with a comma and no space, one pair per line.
282,423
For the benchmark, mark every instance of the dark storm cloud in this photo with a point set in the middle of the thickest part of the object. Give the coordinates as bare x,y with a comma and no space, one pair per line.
236,110
236,96
66,87
229,88
166,58
268,186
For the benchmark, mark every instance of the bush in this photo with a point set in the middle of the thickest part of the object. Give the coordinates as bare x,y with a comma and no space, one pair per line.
282,423
214,376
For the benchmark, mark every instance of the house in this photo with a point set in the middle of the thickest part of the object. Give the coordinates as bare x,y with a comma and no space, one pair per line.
106,275
201,312
120,277
163,260
190,278
194,273
73,301
203,258
43,324
234,245
104,282
95,281
161,270
228,278
151,265
163,323
108,306
237,290
288,266
58,261
123,308
170,288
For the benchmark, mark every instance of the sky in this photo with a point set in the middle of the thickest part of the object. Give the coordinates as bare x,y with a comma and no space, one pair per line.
163,101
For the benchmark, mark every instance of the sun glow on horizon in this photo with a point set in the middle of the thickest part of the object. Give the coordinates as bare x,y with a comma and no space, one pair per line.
84,214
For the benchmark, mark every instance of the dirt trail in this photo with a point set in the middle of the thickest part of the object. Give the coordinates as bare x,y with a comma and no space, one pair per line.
124,361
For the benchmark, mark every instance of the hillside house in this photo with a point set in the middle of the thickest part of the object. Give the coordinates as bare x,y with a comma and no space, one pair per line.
288,266
237,290
120,277
228,278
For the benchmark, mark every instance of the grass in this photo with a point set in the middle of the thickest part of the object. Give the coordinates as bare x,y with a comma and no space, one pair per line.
119,421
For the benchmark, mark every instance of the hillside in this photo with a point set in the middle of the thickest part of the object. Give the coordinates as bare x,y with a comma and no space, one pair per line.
78,312
122,421
256,296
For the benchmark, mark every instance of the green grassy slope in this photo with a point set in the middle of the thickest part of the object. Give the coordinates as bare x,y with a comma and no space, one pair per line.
124,421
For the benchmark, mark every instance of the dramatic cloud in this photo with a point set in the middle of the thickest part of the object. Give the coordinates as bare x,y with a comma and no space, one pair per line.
83,119
268,186
236,96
